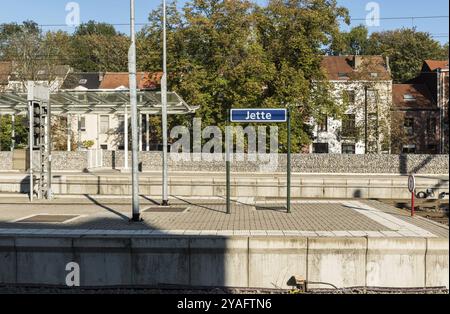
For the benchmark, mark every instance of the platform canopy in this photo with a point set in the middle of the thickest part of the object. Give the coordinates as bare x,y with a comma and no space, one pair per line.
97,102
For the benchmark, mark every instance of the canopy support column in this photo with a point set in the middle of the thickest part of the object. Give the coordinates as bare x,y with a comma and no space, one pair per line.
69,132
13,131
147,133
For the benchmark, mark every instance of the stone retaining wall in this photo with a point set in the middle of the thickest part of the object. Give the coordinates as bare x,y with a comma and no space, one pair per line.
304,163
376,164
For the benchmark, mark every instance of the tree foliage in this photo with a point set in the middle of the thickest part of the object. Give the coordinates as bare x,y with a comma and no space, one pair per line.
406,48
230,54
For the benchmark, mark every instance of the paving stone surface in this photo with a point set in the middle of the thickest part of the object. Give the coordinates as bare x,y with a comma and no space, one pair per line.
326,218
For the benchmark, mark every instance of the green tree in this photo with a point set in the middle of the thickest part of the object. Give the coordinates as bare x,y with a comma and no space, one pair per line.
9,32
98,47
354,42
95,28
6,127
293,34
407,49
93,53
224,54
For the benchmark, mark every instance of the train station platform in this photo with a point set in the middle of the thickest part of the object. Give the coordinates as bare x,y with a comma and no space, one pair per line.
344,243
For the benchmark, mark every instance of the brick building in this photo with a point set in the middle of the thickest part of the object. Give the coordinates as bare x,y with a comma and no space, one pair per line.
414,120
434,75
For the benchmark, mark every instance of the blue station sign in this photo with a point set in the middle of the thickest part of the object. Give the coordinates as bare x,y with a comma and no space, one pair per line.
258,115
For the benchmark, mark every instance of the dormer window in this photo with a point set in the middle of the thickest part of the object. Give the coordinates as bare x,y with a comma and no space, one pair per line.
374,74
409,97
342,75
82,81
41,72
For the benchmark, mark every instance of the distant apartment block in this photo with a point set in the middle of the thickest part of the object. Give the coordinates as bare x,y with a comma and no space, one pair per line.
364,85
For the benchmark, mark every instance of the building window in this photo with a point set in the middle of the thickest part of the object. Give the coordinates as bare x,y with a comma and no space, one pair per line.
343,76
409,97
431,126
372,95
121,120
349,95
409,126
83,124
409,149
432,148
104,124
348,149
323,124
348,125
320,148
373,120
104,146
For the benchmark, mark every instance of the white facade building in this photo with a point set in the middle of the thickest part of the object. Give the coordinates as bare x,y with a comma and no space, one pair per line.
363,85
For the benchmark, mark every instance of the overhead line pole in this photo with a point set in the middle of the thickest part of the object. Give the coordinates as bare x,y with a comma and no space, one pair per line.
165,198
134,131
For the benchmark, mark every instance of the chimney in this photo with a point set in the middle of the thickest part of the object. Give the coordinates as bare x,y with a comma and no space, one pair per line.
388,66
357,61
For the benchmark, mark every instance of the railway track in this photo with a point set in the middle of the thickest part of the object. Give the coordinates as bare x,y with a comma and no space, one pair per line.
435,210
34,289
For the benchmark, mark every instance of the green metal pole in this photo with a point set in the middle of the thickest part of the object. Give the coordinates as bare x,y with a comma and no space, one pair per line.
288,187
227,160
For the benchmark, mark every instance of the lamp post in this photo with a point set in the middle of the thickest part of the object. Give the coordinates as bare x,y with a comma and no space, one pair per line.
133,105
165,199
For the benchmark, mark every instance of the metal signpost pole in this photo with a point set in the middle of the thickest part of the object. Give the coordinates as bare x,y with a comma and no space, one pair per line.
227,160
133,105
288,179
48,136
266,115
125,137
30,146
165,200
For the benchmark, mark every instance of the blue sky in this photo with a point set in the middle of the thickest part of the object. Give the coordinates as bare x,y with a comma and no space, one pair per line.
117,11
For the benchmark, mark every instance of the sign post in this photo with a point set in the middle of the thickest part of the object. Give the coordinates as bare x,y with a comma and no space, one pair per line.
227,160
412,188
288,164
262,115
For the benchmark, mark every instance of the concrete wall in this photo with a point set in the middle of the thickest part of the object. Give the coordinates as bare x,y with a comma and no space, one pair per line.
219,261
209,184
246,185
305,163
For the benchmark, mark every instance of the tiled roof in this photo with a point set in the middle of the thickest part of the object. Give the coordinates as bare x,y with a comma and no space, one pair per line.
45,73
412,96
433,65
86,80
355,68
145,80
